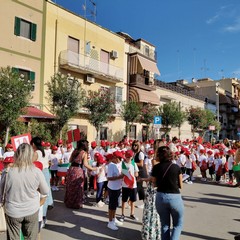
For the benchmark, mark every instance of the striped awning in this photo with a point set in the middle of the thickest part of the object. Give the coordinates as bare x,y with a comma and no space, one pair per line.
140,95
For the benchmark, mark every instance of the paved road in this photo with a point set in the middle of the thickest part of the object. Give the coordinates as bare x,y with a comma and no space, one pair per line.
211,213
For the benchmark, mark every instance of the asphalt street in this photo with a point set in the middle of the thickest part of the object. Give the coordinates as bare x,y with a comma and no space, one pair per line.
211,213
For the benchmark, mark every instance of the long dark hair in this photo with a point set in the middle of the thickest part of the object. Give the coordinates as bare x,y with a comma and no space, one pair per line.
164,154
81,145
38,143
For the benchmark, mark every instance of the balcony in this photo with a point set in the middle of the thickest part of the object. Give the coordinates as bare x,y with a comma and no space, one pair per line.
87,65
151,54
143,82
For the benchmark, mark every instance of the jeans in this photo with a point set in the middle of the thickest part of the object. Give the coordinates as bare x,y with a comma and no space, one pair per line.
170,205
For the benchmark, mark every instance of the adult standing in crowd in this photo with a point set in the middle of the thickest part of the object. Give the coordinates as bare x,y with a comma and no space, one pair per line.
40,155
139,160
168,179
74,195
22,203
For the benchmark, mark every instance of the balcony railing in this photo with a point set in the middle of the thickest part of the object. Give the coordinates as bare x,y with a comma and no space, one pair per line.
151,54
86,64
141,81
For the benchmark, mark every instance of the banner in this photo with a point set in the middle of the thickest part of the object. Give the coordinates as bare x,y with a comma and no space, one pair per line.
17,140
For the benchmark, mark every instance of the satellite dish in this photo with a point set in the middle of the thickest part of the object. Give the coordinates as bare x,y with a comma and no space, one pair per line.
194,80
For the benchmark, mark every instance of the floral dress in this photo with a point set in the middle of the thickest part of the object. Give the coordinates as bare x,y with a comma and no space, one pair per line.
74,195
151,222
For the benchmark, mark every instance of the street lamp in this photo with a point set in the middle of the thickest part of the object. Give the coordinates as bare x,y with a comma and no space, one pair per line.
217,104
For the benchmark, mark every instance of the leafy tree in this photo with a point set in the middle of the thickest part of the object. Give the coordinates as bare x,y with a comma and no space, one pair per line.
195,115
101,107
148,111
129,113
14,96
172,115
64,96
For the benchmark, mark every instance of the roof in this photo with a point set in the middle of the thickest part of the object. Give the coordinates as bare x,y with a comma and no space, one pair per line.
34,112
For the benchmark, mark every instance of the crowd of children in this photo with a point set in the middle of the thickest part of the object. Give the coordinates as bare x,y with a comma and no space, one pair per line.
117,174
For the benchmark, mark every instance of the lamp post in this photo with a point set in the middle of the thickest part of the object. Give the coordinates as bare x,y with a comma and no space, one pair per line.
217,105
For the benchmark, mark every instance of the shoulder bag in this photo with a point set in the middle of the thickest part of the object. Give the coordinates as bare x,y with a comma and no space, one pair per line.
3,224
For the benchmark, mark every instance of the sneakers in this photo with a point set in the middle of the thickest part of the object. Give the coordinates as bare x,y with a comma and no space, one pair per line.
100,204
133,217
112,226
116,222
122,218
141,206
189,182
54,188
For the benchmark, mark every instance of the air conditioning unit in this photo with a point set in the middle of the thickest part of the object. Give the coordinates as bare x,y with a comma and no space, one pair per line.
90,79
114,54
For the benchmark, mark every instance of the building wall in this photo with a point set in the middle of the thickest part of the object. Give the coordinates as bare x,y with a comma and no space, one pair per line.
60,24
17,51
185,102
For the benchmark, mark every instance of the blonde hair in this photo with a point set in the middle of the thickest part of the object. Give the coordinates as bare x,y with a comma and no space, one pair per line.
23,157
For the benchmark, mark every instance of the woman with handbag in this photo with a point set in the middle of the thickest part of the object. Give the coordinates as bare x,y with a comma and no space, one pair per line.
23,181
167,176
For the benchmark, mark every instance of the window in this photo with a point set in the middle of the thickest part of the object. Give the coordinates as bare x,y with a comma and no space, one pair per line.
132,132
25,29
28,75
103,133
147,51
73,50
118,95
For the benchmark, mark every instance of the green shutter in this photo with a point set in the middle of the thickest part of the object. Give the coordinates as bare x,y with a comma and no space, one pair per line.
33,31
17,26
15,70
32,76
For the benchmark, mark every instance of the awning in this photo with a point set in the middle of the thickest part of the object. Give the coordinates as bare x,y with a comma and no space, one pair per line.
140,95
148,65
34,112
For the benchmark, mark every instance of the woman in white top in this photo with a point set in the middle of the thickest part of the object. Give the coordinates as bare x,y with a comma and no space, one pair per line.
40,155
24,181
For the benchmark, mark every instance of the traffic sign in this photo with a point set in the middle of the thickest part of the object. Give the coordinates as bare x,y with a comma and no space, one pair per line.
157,120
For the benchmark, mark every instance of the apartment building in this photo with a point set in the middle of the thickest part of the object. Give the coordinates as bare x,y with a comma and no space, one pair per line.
226,94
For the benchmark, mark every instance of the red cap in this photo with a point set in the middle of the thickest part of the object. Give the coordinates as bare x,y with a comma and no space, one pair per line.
93,144
151,141
230,151
99,158
118,154
69,146
60,141
47,144
129,153
202,151
54,148
38,165
109,156
9,145
150,152
209,152
103,143
8,160
43,143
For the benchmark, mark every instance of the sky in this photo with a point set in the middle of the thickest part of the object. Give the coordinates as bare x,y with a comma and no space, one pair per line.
193,38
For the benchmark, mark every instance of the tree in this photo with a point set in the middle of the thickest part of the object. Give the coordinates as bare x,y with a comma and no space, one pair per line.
148,111
101,107
64,95
201,119
172,115
194,118
14,96
129,112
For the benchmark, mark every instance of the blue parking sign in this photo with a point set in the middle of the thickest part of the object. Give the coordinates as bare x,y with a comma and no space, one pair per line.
157,120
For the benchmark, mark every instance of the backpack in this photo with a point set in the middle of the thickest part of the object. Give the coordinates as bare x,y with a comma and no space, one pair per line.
204,166
194,165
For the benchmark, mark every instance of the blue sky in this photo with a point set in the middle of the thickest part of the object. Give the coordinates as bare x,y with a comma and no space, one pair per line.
193,38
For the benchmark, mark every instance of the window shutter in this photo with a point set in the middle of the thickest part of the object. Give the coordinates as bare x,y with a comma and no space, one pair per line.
32,76
33,31
17,26
15,70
